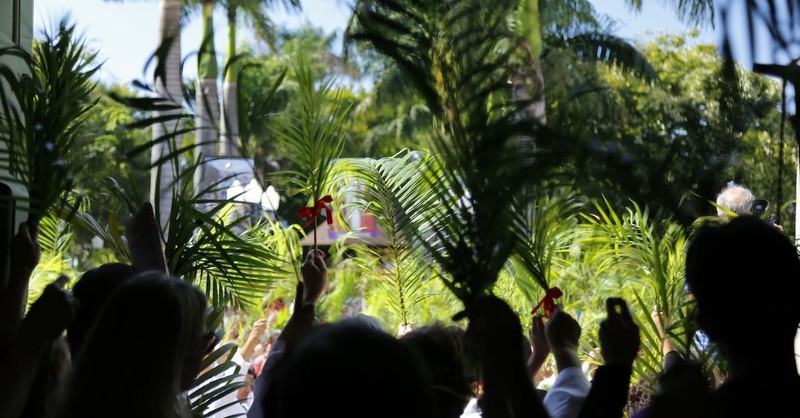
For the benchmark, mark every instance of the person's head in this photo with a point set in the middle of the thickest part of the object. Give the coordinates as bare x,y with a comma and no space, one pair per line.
151,334
444,351
736,199
745,277
91,292
349,369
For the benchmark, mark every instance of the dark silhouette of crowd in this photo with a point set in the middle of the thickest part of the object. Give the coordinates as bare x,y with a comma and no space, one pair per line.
129,341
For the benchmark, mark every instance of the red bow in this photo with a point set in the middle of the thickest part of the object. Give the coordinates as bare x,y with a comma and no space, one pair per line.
549,301
313,211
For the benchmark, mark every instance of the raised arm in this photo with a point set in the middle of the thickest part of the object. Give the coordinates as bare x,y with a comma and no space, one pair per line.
619,342
25,253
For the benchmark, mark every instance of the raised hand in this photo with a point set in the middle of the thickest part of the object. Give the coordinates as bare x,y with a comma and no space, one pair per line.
144,243
259,327
50,315
540,349
315,276
301,321
562,331
24,255
619,335
25,251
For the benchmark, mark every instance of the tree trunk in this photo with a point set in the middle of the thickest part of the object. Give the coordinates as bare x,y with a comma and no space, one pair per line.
230,98
168,85
529,86
207,138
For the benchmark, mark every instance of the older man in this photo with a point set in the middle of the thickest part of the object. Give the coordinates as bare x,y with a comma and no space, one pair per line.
735,198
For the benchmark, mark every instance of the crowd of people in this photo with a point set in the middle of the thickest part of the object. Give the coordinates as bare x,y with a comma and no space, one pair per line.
129,341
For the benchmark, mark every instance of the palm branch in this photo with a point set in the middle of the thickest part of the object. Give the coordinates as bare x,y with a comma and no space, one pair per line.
651,252
547,227
311,134
460,57
603,46
387,189
695,12
220,375
54,239
201,241
42,119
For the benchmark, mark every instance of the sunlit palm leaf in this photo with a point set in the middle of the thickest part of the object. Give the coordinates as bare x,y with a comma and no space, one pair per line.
54,238
42,117
387,189
546,227
460,56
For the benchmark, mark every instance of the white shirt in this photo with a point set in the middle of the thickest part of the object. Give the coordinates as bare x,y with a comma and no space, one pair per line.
237,408
566,396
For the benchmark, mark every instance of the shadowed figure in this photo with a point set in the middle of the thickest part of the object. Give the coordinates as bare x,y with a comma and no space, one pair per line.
349,370
91,292
149,337
444,351
745,276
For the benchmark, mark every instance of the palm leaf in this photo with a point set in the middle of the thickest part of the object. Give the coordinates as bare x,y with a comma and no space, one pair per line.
42,120
54,239
387,189
695,12
652,251
311,134
547,226
220,377
607,48
460,56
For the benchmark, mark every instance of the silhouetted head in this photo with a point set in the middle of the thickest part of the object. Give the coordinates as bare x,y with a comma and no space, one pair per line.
444,351
149,337
92,291
349,370
745,276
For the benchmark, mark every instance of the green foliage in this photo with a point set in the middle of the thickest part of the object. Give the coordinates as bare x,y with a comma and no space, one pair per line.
459,57
311,134
657,144
54,239
650,253
42,124
395,192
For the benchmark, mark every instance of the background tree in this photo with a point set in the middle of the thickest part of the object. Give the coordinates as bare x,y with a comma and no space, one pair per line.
254,13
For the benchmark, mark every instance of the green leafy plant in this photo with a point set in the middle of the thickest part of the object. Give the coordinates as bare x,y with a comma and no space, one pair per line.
460,56
394,191
43,113
311,134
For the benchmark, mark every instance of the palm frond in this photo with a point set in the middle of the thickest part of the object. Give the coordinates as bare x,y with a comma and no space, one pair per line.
54,239
386,189
694,12
651,251
460,56
311,134
42,119
607,48
203,247
547,227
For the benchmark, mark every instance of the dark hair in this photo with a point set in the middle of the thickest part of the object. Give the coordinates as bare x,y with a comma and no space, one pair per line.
149,338
353,371
728,265
444,352
91,292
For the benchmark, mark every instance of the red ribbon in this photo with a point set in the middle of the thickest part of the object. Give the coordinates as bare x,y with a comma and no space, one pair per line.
313,211
549,301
